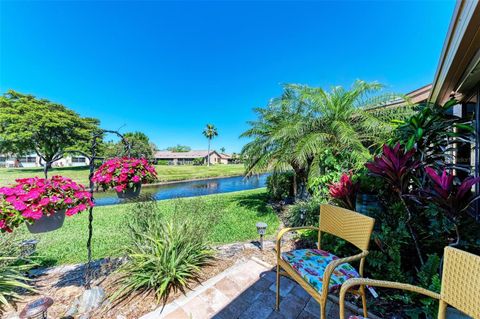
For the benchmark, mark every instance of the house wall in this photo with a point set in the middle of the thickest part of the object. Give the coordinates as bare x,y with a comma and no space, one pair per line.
32,160
215,158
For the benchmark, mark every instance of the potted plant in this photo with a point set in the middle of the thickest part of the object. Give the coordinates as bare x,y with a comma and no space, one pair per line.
42,203
125,175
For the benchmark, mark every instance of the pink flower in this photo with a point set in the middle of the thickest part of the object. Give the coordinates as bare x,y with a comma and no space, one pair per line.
44,201
135,179
18,205
72,211
33,214
68,200
7,191
119,188
54,199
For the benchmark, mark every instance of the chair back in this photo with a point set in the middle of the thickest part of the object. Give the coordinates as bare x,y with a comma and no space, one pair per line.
461,282
346,224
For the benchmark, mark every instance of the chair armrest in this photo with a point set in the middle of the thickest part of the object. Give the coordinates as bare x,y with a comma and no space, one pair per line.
337,262
286,230
380,283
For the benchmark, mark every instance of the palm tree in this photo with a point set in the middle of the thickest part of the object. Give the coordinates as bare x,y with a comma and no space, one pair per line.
294,130
209,132
222,149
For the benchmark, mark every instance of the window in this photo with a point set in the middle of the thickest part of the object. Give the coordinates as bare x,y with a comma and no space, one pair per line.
27,159
79,159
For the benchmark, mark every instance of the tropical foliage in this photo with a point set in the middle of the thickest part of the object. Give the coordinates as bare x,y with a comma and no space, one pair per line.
295,129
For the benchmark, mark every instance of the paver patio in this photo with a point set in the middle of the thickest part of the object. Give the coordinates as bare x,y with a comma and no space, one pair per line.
245,290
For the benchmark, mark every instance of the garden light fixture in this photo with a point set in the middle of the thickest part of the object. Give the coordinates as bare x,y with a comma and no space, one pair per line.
261,230
37,309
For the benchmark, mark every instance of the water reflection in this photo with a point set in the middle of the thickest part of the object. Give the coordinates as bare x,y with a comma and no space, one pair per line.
189,189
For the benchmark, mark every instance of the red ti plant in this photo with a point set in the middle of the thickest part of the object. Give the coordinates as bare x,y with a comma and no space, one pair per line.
395,166
452,198
345,191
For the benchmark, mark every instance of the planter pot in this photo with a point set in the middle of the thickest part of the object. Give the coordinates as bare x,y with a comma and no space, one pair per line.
47,223
130,192
367,204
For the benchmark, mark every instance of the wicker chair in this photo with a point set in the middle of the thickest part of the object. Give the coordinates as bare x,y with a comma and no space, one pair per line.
312,267
460,285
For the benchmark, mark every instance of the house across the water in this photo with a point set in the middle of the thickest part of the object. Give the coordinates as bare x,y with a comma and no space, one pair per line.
33,160
192,157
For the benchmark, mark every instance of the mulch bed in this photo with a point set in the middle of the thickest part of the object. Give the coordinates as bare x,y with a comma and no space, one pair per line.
65,283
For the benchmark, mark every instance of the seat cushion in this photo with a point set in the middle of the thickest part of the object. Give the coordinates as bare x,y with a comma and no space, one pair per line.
310,264
356,317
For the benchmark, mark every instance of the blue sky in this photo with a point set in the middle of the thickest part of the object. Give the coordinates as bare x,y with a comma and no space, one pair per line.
168,68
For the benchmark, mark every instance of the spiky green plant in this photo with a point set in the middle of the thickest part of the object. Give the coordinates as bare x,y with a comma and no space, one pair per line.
12,272
165,254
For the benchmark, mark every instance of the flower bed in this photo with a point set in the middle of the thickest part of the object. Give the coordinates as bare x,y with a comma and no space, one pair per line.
32,198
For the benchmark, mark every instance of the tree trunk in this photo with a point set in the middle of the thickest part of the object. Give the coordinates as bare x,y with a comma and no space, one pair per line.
208,155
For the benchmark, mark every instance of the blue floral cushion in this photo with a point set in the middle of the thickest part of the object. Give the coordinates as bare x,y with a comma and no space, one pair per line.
310,264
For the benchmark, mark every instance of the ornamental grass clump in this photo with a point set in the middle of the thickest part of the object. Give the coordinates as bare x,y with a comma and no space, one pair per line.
31,198
13,267
123,173
165,253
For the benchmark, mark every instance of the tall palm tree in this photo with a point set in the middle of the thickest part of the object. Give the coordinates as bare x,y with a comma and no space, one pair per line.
209,132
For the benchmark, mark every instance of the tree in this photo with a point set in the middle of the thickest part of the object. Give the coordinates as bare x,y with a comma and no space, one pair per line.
179,148
140,146
209,132
222,149
295,129
29,124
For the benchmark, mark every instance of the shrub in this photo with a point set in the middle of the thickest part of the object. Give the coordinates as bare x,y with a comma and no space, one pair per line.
164,254
12,272
305,212
198,161
162,162
280,185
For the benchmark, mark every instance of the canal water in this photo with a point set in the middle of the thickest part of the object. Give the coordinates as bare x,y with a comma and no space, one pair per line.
188,189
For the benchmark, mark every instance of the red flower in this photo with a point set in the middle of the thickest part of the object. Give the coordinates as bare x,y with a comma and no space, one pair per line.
344,191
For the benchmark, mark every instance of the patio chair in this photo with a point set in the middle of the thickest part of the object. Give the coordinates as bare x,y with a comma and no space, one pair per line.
460,285
310,268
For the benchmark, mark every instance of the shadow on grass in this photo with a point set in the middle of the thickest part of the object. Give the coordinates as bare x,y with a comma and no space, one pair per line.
257,202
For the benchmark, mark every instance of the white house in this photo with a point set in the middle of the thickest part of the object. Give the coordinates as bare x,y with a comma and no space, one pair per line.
33,160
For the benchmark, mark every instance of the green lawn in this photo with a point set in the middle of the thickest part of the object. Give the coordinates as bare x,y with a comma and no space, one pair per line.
236,215
165,172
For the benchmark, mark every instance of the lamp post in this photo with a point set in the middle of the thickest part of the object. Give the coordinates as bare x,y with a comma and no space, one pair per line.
261,230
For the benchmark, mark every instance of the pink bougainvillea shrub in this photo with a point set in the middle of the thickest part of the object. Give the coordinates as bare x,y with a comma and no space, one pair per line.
31,198
123,173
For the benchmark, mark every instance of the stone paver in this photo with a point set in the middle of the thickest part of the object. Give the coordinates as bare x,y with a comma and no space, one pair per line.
245,291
